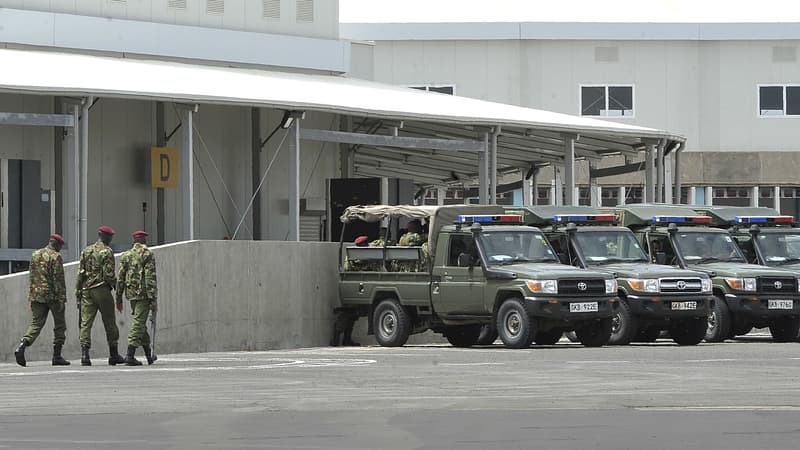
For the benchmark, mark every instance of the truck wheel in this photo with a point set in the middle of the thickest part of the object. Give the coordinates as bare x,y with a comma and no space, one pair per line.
391,323
784,329
689,331
463,335
572,336
549,337
595,334
514,325
623,325
719,322
488,335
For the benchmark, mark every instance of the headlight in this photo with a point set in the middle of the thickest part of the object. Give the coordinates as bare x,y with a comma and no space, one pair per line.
705,284
644,285
611,286
742,284
543,286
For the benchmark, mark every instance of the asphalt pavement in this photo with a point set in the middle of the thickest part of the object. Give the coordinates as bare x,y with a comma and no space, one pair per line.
738,394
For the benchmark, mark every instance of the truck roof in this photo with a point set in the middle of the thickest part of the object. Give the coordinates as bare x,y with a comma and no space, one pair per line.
438,216
549,214
641,214
744,215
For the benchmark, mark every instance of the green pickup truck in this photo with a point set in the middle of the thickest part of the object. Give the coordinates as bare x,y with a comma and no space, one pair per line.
748,295
479,268
653,297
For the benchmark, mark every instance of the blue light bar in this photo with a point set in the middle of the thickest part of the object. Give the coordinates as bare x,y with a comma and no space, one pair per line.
682,219
583,218
763,219
502,218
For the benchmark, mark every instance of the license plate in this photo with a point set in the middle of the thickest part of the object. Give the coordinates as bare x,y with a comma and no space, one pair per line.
780,304
684,306
583,307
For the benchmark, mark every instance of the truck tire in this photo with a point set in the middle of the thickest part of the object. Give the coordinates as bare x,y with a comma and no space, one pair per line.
549,337
595,333
623,325
514,324
488,335
784,329
463,335
720,322
689,331
391,323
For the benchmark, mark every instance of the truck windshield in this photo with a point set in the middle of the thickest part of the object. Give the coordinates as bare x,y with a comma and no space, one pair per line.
702,247
600,247
779,248
509,247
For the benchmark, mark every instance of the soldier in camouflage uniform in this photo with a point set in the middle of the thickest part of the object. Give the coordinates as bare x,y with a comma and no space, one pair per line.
47,293
412,237
93,288
137,281
357,265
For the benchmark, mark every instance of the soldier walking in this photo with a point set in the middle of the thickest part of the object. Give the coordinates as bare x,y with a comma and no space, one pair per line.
137,282
93,288
47,293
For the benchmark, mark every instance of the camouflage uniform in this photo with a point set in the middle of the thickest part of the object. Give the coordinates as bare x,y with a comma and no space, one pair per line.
409,239
94,283
137,281
356,265
47,293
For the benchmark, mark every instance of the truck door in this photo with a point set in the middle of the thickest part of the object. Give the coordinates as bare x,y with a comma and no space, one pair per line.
457,289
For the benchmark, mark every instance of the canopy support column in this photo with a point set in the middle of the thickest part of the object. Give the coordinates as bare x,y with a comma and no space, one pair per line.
84,172
294,181
649,191
659,197
668,198
677,172
187,164
557,190
493,166
569,169
483,172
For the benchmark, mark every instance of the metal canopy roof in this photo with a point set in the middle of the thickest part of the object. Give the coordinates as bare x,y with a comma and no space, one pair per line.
529,136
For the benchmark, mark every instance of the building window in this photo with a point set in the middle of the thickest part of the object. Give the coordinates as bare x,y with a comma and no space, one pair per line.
449,89
215,6
779,100
607,101
305,11
176,4
272,9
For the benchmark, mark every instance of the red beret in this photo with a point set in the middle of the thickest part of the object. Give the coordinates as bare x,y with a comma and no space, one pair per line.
107,230
140,233
58,238
361,240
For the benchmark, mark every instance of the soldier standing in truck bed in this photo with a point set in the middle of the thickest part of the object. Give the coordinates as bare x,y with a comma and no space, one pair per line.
47,293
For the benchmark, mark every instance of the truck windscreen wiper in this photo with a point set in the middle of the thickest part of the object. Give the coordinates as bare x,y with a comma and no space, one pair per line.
784,261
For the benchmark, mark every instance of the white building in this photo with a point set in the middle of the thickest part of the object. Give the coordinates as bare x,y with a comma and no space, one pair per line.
725,74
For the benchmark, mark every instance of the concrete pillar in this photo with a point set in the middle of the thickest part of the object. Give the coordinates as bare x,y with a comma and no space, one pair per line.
483,172
692,195
71,190
677,174
569,170
441,193
709,195
83,220
776,193
526,190
754,196
659,188
255,169
558,194
493,166
535,188
621,195
187,166
668,198
595,195
294,181
648,193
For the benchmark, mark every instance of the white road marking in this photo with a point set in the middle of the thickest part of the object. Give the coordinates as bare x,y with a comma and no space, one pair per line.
712,360
474,364
720,408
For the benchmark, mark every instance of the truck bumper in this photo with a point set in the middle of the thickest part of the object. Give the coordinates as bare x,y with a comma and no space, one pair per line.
670,306
558,308
759,305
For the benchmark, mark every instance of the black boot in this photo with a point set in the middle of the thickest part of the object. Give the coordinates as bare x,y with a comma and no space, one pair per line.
19,352
131,360
114,357
151,358
85,360
58,360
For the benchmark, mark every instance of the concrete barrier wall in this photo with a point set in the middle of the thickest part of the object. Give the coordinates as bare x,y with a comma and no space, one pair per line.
213,296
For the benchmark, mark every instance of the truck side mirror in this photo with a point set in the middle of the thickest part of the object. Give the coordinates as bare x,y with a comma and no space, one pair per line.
661,258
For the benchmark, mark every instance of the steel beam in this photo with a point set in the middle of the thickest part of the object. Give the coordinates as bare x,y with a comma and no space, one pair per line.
294,179
187,166
37,120
390,141
84,172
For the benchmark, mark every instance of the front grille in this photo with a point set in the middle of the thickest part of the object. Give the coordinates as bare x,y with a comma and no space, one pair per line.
681,285
776,284
593,287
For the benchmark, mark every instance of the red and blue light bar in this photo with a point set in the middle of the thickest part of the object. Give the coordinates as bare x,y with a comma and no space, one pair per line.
563,218
494,219
682,219
764,219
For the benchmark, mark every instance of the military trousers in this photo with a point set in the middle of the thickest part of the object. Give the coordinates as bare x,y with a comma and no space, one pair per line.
39,312
138,336
98,299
